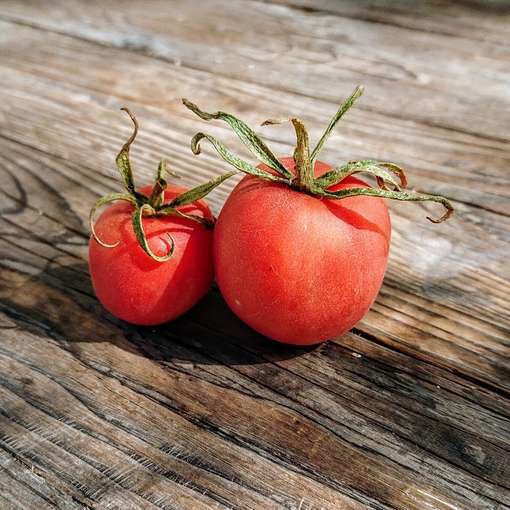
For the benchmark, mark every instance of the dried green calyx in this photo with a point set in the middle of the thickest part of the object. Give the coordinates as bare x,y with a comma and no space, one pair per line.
154,205
390,178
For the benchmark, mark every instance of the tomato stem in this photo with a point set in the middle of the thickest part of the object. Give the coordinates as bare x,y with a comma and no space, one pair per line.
160,184
154,204
304,178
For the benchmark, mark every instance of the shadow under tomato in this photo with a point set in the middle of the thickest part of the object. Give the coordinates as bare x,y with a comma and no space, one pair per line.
215,336
64,307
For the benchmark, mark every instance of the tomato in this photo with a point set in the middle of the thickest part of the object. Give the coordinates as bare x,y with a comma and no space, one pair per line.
150,254
138,289
300,248
297,268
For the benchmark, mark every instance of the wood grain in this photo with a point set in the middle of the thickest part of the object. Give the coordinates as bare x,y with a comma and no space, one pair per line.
319,394
433,80
450,303
17,479
411,410
478,20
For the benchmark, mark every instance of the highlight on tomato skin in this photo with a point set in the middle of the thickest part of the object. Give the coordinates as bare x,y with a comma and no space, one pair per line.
301,247
150,251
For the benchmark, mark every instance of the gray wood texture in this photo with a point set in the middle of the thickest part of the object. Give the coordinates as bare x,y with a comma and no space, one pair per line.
409,411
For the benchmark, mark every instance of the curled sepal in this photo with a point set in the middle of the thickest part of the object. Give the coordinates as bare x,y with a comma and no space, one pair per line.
338,115
231,158
383,172
142,239
399,172
112,197
405,195
201,191
246,135
158,190
122,159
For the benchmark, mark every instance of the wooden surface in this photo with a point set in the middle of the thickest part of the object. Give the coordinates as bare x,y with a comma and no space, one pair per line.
410,410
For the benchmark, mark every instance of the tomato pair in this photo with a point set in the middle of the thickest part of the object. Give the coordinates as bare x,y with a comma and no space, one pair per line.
299,249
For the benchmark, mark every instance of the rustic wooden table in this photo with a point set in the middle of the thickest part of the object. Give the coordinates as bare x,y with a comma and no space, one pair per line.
410,410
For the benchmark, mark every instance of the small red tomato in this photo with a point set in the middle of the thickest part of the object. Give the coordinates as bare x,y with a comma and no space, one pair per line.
138,289
296,268
300,248
150,254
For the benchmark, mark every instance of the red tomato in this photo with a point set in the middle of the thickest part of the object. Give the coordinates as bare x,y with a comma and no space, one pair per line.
141,290
297,268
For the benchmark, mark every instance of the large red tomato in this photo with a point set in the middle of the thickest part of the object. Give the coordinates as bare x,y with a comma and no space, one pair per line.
137,288
298,268
300,249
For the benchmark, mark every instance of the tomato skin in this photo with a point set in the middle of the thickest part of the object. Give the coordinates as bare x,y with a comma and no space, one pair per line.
138,289
297,268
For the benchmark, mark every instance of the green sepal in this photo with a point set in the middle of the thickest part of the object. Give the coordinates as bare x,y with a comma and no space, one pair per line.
250,139
153,205
191,196
123,163
232,159
405,195
112,197
332,123
140,233
161,171
170,211
383,172
199,192
386,174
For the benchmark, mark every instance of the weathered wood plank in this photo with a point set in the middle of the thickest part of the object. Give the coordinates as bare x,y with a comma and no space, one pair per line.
464,167
433,79
445,298
479,20
162,425
30,488
409,411
300,443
